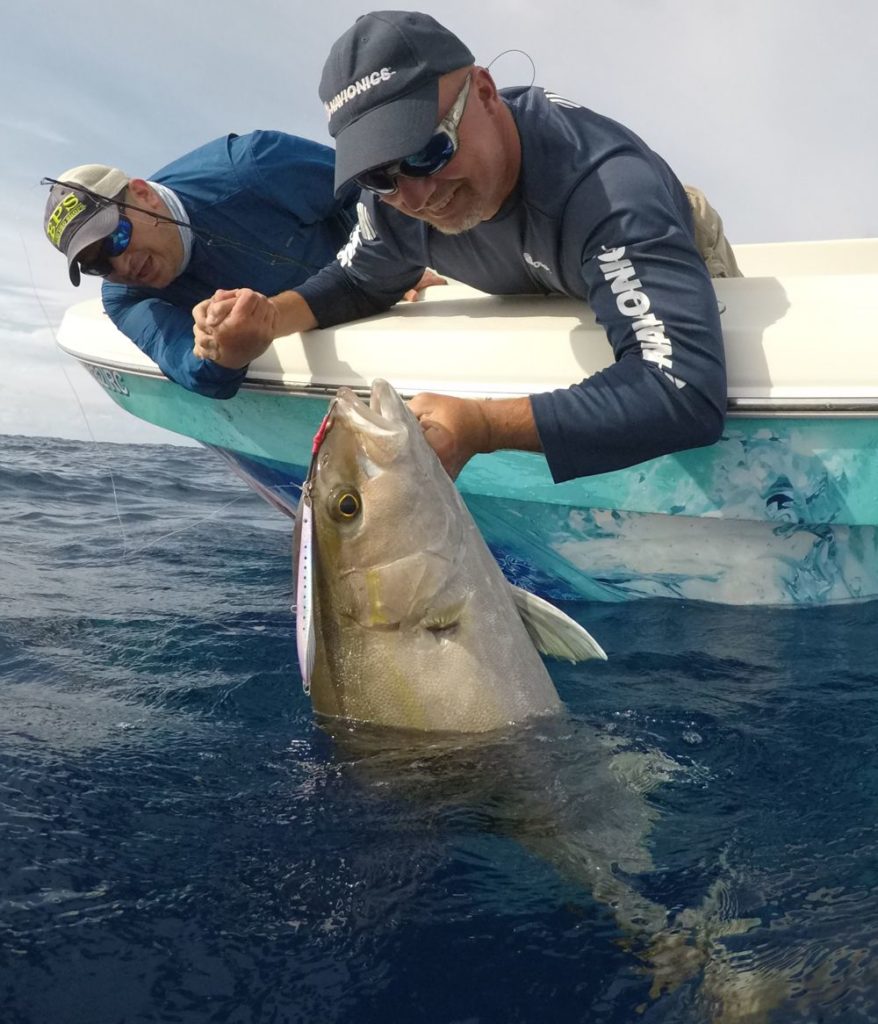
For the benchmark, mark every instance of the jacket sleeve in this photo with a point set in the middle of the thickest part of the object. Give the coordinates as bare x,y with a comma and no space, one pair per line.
651,292
372,272
292,173
165,333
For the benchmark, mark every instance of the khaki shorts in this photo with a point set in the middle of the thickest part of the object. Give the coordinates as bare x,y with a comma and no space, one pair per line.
710,237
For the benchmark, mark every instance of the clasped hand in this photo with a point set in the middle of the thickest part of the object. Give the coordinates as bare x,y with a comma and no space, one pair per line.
234,326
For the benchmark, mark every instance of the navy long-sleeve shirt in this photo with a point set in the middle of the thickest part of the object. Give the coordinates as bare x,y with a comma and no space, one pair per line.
596,215
263,215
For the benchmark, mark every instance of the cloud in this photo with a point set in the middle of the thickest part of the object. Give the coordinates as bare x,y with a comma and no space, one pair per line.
40,132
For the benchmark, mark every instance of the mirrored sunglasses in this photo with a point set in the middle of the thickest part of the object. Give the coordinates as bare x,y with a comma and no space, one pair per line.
427,161
111,246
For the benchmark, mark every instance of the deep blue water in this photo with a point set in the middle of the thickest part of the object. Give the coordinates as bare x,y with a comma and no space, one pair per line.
181,842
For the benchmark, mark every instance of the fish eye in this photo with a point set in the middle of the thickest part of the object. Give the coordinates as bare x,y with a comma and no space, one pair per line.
345,504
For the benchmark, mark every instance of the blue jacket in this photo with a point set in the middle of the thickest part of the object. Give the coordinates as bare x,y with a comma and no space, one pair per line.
263,216
597,215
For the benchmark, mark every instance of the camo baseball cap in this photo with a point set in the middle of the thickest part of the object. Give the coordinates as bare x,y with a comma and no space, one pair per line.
380,88
75,218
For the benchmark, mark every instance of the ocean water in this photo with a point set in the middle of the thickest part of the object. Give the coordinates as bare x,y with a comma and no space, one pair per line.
181,842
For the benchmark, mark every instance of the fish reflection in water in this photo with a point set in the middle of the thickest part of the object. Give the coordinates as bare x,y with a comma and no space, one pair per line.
587,803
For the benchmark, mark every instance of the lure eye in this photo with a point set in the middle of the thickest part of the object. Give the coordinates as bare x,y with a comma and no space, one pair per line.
345,505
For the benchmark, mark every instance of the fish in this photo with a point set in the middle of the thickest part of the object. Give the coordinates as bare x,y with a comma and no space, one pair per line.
404,618
426,667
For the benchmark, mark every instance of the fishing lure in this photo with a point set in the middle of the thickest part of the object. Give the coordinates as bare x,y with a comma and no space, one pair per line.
306,644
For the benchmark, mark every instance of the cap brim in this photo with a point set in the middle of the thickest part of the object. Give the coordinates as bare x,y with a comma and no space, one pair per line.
98,226
387,133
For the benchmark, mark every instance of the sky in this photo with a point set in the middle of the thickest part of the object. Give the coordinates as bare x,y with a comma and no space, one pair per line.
769,106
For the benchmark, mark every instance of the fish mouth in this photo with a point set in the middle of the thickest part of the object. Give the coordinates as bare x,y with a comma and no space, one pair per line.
381,430
386,411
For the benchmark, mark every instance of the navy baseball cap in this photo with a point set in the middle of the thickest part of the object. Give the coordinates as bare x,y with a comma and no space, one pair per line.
380,88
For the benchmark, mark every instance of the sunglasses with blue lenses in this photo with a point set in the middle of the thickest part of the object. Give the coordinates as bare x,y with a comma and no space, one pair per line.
111,246
427,161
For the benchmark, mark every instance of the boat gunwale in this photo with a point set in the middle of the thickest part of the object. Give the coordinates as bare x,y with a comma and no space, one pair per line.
864,407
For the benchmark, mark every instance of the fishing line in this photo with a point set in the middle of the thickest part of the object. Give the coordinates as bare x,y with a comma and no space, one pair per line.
75,392
189,526
127,552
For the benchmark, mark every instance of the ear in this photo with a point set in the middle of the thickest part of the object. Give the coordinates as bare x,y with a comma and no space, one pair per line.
140,192
485,88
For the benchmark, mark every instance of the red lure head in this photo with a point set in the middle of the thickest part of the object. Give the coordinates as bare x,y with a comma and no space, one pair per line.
321,433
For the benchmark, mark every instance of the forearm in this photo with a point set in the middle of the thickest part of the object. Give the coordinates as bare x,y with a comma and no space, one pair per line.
334,297
164,332
619,417
508,423
293,314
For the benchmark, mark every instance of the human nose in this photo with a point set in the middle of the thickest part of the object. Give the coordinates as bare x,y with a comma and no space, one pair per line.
414,192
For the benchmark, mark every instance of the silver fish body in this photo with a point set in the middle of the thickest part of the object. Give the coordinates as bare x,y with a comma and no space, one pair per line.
414,625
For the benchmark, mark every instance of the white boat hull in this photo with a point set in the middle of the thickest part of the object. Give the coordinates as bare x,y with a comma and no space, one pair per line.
783,510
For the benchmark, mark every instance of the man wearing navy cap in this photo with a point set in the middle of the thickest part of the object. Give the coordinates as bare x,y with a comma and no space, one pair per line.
516,192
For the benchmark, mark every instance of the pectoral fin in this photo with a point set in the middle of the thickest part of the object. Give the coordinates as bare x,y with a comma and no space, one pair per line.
553,632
